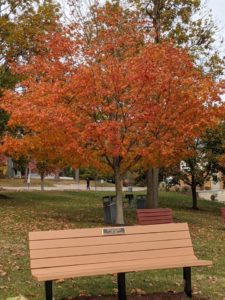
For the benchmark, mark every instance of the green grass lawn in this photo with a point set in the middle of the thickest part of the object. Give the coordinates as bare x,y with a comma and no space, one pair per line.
29,211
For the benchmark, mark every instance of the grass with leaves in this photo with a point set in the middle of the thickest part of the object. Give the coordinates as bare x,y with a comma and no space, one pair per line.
22,212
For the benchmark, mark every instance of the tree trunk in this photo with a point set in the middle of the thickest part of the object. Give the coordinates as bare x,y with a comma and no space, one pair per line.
10,170
119,201
77,175
42,182
152,187
26,174
56,176
194,193
153,173
96,180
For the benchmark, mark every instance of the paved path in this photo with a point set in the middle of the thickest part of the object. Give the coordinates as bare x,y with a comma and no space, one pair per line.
219,194
69,187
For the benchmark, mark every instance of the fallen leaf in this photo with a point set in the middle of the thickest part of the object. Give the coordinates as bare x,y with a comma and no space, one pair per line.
138,291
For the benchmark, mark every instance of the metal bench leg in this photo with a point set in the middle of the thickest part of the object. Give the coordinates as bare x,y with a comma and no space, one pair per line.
187,281
121,286
48,290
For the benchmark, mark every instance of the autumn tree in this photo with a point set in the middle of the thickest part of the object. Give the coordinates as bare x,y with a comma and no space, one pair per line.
36,129
21,22
112,101
154,98
175,126
45,148
190,25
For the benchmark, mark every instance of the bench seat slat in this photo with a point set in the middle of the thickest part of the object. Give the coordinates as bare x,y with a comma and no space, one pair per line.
95,232
152,213
161,218
112,257
149,222
118,248
155,210
154,216
117,267
108,240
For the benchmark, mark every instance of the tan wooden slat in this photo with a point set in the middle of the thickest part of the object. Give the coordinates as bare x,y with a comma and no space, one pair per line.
118,248
102,269
108,240
117,264
112,257
91,232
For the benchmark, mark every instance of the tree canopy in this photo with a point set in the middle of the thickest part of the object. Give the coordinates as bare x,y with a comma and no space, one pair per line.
111,100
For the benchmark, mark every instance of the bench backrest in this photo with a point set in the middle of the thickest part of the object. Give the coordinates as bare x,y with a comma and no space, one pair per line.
51,249
154,216
222,209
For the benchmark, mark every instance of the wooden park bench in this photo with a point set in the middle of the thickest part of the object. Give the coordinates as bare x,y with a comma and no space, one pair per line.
222,210
154,216
113,250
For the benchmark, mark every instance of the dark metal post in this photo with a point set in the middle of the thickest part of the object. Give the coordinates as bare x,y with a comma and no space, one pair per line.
48,290
121,286
187,281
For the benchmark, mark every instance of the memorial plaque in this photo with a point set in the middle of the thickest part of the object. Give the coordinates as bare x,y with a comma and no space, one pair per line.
113,231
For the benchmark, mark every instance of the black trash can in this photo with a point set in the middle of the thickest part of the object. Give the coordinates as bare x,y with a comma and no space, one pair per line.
130,197
109,206
141,201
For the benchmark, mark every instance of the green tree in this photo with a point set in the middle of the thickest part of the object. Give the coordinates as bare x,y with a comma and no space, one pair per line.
204,163
197,169
21,164
190,25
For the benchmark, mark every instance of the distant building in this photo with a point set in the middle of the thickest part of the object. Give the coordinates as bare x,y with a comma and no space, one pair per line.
8,168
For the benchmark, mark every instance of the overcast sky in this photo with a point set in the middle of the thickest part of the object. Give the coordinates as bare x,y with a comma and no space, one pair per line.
218,10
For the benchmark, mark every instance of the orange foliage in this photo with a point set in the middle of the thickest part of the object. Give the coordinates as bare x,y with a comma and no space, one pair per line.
113,99
128,99
177,102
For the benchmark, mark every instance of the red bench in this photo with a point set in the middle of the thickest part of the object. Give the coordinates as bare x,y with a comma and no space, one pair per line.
222,209
154,216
